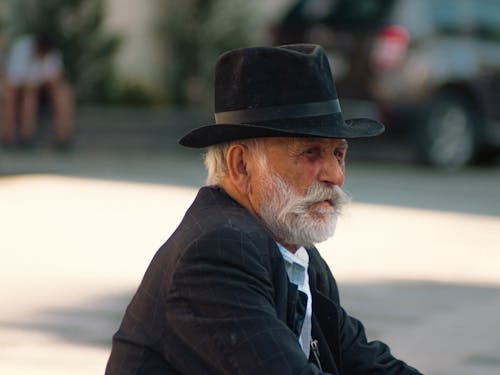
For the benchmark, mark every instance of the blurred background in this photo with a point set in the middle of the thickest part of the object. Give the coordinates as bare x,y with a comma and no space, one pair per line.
418,255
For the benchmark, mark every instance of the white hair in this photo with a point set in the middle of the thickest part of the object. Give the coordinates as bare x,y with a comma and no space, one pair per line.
215,163
215,159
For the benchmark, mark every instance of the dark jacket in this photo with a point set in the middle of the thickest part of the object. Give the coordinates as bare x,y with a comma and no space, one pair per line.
216,300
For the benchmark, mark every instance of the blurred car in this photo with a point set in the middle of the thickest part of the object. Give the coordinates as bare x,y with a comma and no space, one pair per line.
428,69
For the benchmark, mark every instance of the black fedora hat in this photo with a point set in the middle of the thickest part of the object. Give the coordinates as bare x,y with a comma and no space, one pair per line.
285,91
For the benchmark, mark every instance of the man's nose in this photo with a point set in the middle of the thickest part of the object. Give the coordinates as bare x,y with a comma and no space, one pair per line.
332,172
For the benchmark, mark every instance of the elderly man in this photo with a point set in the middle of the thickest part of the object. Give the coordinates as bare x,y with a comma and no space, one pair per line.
239,288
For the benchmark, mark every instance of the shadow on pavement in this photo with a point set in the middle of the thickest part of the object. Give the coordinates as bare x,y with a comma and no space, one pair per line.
92,323
384,307
439,328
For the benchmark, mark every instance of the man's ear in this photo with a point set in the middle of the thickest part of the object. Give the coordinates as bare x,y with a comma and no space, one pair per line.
236,158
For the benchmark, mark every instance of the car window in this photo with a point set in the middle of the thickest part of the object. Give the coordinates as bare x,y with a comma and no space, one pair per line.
318,9
419,17
359,13
453,16
413,15
446,17
343,13
487,19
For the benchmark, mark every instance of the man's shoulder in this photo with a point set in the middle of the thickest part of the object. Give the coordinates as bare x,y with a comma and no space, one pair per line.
214,210
215,217
217,231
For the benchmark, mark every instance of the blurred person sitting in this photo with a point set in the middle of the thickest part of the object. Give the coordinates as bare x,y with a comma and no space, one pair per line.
33,63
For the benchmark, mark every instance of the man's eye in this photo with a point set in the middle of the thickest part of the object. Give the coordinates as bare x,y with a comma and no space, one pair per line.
312,152
340,154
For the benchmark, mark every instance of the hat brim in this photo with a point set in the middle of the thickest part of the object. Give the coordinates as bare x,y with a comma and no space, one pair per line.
329,126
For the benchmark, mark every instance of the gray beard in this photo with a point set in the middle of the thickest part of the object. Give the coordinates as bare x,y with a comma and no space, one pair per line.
290,217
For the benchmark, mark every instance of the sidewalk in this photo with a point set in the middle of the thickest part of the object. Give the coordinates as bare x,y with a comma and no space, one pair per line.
66,282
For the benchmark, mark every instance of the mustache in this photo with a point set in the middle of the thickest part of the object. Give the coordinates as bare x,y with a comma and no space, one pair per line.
319,192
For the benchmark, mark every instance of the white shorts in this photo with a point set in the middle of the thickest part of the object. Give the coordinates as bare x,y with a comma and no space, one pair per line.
24,68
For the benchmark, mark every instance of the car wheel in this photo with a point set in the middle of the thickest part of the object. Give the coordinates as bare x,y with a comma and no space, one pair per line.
487,156
446,138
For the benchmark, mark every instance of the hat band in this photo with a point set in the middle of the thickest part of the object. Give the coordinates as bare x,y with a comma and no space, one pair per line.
279,112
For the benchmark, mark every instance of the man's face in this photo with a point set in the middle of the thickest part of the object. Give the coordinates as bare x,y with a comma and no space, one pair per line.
297,190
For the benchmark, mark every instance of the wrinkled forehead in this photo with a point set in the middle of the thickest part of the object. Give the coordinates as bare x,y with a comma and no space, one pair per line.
325,142
291,143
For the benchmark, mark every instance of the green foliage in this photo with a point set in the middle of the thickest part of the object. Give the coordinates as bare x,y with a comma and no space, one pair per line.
133,93
197,32
75,26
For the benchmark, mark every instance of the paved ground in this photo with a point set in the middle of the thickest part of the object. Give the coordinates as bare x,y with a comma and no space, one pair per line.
78,230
